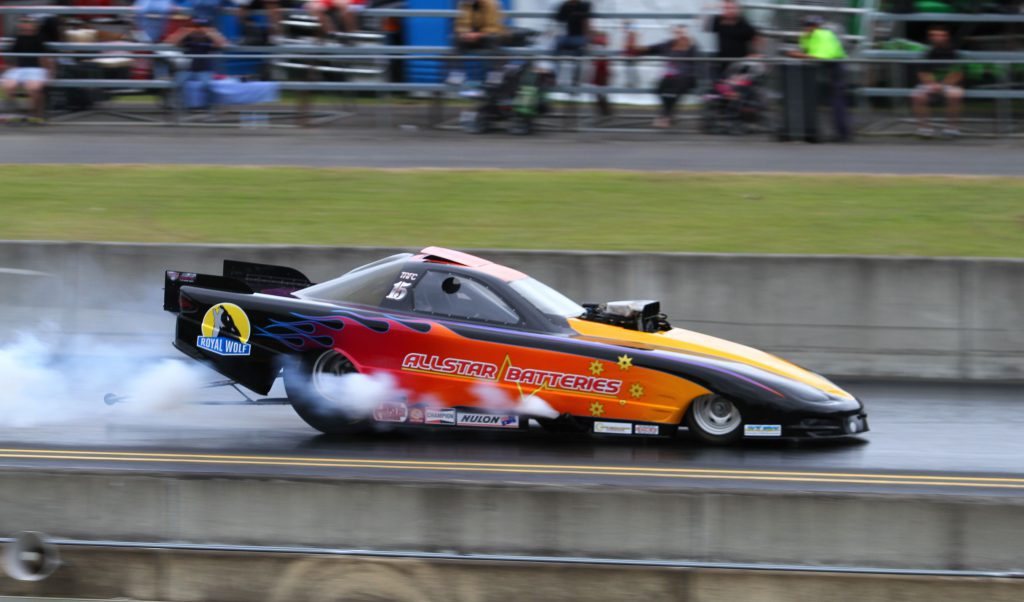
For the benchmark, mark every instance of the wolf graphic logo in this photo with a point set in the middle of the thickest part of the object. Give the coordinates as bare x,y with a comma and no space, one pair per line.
224,325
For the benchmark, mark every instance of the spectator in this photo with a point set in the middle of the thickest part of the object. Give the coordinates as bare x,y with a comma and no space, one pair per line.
478,25
821,43
736,37
151,17
30,73
198,39
680,75
939,82
260,30
206,10
334,16
575,15
602,74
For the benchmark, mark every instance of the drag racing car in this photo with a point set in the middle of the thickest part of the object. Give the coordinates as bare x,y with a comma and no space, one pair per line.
445,339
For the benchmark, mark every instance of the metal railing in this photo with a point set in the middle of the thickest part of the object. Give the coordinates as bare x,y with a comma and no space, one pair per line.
1003,96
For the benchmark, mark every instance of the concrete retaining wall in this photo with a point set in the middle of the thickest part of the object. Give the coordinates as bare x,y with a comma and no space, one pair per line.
894,531
120,574
843,316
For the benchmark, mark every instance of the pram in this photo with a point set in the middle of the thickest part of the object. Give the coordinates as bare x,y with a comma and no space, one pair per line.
514,95
736,103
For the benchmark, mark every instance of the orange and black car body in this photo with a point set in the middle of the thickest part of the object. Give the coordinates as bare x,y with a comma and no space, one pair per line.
459,341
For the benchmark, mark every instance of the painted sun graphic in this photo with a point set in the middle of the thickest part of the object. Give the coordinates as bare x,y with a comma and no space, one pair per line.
596,368
637,390
597,409
625,362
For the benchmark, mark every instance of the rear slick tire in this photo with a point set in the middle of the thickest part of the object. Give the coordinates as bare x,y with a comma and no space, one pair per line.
307,383
714,420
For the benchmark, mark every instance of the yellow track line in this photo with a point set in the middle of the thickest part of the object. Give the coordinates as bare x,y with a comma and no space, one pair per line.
624,471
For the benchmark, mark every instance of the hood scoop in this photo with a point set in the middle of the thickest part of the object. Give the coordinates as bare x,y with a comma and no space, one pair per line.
641,315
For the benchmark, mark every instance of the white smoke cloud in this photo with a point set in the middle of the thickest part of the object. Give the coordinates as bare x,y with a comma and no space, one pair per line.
357,394
44,383
496,399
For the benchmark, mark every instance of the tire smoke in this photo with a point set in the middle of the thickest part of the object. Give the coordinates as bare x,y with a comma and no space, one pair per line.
45,384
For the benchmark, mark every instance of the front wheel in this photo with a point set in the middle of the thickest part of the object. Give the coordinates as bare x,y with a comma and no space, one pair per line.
314,388
714,419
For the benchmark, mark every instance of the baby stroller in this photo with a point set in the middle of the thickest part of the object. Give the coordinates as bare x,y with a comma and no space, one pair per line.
736,103
514,95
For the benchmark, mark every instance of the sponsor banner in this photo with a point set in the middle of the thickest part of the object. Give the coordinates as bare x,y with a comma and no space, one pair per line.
614,428
762,430
416,415
442,416
225,330
391,412
503,421
544,379
646,429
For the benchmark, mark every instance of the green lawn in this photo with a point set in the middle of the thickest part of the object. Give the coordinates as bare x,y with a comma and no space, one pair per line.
518,209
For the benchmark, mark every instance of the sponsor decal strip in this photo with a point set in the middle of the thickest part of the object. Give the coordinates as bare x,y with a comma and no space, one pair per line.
505,421
762,430
543,379
614,428
442,416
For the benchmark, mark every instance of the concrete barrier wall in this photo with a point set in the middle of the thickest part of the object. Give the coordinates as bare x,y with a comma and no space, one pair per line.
843,316
891,531
175,576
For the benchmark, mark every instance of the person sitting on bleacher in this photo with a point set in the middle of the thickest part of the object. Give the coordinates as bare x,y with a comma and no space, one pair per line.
680,76
334,16
198,39
939,82
30,73
478,25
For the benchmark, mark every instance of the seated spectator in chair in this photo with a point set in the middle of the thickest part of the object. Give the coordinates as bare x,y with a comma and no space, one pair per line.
30,73
939,82
478,25
197,39
680,75
334,16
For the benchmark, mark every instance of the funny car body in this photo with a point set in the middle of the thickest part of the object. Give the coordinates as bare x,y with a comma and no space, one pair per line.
465,342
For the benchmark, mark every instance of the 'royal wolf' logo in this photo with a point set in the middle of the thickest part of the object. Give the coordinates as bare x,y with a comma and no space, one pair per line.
225,330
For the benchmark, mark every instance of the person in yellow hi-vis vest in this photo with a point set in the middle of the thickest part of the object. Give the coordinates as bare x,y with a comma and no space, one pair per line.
820,43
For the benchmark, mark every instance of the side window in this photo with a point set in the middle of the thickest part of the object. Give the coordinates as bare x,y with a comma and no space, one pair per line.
445,294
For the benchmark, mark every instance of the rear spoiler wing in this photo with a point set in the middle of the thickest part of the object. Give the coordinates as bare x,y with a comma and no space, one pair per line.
173,281
239,277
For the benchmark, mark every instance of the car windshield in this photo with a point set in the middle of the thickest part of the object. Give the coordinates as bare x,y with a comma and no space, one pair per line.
365,285
546,299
